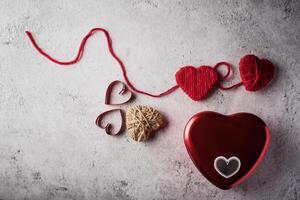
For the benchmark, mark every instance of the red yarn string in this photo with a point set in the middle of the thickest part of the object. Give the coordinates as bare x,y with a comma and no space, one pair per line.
110,48
228,66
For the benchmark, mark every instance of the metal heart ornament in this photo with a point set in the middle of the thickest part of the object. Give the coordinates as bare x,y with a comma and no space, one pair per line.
226,149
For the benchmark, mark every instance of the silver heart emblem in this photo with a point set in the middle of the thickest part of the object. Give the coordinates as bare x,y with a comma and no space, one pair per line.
227,167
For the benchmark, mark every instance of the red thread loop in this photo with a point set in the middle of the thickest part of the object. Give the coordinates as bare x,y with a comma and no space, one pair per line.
228,66
110,48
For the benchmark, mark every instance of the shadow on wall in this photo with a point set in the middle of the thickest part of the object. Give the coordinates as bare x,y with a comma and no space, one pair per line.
273,170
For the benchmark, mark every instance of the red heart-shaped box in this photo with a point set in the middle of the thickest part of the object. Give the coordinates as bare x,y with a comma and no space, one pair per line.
219,145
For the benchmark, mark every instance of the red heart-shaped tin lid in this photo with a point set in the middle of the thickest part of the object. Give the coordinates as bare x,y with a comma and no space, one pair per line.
226,149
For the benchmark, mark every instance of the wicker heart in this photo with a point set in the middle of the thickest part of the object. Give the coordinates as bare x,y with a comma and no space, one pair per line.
141,121
196,82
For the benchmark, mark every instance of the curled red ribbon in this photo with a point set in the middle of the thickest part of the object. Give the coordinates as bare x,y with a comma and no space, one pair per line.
109,127
123,91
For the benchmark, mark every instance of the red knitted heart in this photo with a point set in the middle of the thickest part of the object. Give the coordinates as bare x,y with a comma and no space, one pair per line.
196,82
255,73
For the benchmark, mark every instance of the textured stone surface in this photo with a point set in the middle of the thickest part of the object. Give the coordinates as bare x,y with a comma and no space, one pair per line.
49,145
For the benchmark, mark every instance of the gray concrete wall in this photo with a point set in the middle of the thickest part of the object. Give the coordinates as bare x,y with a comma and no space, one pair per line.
49,145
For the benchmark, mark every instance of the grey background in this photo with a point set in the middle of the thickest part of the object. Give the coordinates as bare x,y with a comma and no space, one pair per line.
49,145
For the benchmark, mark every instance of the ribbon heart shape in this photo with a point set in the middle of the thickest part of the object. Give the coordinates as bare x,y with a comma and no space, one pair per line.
99,121
124,90
109,127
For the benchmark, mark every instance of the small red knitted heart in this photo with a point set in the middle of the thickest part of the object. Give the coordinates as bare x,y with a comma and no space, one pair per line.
196,82
255,73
